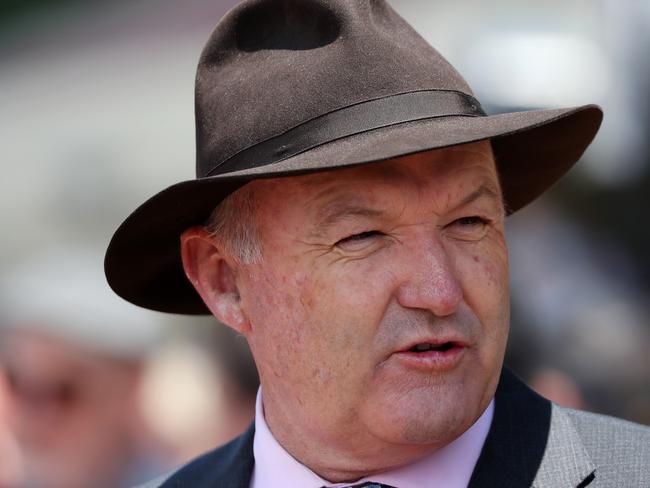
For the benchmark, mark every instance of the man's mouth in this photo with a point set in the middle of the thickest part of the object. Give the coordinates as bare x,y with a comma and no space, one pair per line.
432,356
427,346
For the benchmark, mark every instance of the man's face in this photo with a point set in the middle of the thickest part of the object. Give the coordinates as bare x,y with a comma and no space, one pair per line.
363,269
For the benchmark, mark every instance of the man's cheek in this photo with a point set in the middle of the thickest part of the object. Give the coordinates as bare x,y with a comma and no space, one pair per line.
331,310
348,293
483,270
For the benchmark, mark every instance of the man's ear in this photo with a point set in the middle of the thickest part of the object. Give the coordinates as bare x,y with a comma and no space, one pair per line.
213,276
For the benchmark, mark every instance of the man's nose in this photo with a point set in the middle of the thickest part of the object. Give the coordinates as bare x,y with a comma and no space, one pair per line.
427,277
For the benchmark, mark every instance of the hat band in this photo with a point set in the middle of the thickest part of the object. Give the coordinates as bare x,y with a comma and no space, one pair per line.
352,120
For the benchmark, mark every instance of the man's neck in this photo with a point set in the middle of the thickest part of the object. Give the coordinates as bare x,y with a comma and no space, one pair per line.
464,450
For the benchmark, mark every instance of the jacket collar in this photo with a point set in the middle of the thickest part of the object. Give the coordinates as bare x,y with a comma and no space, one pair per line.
531,443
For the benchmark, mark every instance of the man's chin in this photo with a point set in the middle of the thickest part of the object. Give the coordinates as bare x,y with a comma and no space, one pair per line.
427,416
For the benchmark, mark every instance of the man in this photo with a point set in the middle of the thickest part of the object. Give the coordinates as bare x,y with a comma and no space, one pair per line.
347,220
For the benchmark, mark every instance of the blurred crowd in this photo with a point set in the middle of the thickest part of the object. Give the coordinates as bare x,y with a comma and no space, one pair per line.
97,392
96,114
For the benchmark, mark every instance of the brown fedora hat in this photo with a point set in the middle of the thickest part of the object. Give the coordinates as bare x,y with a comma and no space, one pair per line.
292,86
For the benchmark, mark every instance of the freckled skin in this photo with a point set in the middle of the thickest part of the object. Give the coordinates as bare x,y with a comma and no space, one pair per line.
326,314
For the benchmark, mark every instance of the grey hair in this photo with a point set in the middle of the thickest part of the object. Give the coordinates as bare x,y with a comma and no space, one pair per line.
234,223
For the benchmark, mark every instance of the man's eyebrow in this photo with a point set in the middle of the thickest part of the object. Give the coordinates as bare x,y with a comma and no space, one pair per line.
485,190
334,212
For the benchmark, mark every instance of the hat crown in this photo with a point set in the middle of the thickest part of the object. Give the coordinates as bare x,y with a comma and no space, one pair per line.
271,65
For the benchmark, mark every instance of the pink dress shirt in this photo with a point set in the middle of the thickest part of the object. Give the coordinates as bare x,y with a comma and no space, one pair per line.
449,467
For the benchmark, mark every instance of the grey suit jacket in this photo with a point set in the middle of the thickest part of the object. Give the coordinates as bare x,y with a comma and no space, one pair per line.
531,443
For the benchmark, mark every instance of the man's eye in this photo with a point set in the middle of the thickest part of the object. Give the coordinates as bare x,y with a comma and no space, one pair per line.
473,221
357,238
469,228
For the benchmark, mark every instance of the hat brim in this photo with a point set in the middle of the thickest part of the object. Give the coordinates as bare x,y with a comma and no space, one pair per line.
533,149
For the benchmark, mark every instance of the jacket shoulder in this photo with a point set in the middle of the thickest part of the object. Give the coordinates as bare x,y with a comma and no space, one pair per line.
619,449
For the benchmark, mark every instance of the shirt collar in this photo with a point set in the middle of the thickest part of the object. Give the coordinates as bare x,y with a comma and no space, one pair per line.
449,467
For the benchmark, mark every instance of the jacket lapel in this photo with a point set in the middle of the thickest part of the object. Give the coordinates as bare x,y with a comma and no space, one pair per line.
531,443
565,461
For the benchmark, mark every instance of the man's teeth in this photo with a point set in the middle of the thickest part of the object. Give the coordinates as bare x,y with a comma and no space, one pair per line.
432,347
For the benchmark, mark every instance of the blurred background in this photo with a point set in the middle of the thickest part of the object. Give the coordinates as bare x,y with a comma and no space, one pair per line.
96,115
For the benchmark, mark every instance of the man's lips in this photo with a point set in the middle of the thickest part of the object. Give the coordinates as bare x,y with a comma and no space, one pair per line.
433,353
433,343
